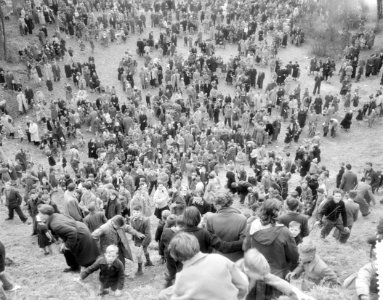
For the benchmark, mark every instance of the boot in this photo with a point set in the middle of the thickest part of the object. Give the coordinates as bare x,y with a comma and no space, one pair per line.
139,270
148,261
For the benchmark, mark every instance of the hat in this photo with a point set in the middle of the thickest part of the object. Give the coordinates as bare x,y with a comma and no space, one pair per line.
320,190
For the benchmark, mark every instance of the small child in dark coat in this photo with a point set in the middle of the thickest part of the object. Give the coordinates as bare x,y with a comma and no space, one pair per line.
173,225
111,272
142,224
160,228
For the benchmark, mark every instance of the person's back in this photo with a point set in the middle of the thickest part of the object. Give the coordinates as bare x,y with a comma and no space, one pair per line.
276,244
214,269
229,225
94,220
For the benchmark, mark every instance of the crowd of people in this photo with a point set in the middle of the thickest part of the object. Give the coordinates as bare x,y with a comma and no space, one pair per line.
157,150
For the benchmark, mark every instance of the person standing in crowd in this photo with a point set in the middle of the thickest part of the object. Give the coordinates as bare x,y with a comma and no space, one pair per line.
227,223
349,180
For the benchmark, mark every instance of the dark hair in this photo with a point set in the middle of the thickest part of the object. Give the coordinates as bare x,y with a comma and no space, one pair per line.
269,211
46,209
295,224
292,203
224,199
352,194
348,167
118,220
337,191
192,216
183,246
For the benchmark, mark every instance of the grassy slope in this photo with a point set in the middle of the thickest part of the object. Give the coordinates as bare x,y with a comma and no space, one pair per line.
41,276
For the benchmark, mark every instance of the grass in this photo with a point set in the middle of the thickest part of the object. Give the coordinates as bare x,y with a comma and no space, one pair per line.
41,276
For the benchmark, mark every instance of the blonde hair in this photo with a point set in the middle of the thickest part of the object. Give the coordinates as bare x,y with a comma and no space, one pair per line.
256,262
111,248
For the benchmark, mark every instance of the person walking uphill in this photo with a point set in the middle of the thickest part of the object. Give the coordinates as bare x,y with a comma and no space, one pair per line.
79,248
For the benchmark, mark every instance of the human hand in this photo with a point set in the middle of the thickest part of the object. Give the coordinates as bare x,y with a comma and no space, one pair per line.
290,276
346,230
140,235
118,293
62,248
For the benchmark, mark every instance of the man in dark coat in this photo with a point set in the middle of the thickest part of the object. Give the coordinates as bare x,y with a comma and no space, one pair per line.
293,215
13,200
349,180
79,248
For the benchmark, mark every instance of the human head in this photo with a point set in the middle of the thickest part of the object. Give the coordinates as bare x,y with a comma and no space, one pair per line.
352,194
191,217
45,211
295,228
118,221
171,220
165,214
368,166
307,251
223,200
137,211
292,203
338,195
111,254
91,207
269,211
183,247
348,167
256,265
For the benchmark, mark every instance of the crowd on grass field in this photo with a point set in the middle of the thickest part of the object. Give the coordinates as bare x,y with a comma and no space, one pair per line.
156,153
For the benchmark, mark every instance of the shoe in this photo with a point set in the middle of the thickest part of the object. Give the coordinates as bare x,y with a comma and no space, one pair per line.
149,264
8,219
15,288
68,270
365,215
139,273
104,292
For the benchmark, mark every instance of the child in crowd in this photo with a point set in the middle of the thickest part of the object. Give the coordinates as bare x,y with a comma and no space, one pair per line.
295,230
111,271
315,270
44,237
95,218
142,224
256,267
173,225
161,225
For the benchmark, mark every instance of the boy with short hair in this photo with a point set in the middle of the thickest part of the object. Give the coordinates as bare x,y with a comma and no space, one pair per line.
111,271
295,230
141,224
315,270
